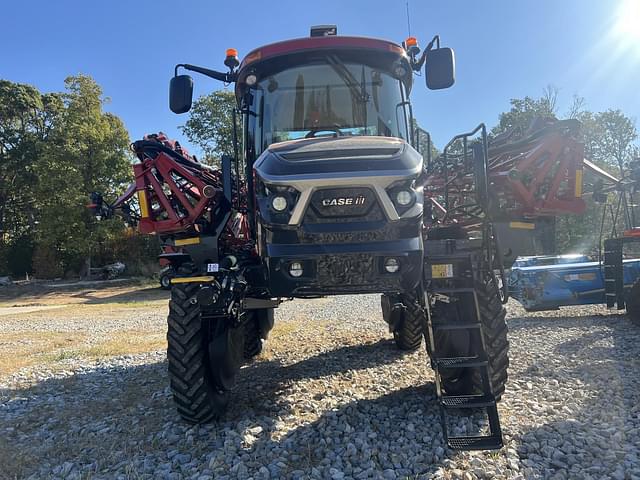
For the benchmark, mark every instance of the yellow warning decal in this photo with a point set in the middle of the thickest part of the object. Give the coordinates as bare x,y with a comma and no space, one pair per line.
444,270
578,192
144,207
522,225
207,278
187,241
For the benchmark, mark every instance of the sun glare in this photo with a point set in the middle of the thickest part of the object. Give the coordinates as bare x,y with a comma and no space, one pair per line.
627,24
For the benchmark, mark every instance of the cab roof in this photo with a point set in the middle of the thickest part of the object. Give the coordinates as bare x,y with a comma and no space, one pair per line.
297,45
275,52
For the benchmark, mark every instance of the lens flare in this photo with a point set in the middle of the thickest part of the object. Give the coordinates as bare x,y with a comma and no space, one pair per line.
627,23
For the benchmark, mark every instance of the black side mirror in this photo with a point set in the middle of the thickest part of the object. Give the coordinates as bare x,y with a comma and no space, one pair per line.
180,93
440,68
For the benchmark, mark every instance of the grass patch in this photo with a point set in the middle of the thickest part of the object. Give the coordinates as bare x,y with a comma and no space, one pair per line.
28,349
24,349
127,343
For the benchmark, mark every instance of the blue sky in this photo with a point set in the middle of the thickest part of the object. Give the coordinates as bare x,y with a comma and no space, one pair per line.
504,49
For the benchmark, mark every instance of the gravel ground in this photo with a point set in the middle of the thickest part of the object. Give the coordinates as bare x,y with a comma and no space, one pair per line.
329,398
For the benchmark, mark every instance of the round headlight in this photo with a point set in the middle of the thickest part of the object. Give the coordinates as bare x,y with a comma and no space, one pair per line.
295,269
251,79
279,203
391,265
404,198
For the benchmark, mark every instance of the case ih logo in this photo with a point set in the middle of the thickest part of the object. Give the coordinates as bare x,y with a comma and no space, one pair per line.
342,201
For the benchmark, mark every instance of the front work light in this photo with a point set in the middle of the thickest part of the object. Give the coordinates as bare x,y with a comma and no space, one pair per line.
295,269
404,198
279,203
391,265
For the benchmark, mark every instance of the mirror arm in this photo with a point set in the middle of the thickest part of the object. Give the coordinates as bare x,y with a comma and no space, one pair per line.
417,64
228,77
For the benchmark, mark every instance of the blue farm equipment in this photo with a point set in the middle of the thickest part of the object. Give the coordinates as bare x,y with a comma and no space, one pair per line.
546,283
550,282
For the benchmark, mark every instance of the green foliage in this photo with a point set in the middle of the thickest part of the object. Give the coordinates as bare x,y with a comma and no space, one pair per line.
55,149
210,124
524,111
609,138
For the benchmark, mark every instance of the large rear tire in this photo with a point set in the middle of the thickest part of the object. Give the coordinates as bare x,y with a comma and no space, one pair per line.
633,302
460,343
411,326
204,356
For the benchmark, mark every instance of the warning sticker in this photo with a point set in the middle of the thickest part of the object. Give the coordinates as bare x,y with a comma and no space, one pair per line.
444,270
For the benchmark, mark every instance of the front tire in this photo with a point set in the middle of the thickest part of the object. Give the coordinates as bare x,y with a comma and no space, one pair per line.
411,326
204,356
633,303
257,326
165,281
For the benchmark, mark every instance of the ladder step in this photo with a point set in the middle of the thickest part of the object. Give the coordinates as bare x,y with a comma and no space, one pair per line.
456,326
448,291
444,258
461,362
468,401
475,443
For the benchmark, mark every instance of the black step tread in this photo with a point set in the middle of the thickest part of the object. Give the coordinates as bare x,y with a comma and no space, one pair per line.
456,326
453,290
467,401
447,257
489,442
461,362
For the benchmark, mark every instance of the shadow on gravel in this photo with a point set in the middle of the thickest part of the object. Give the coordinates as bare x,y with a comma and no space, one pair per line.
589,383
110,419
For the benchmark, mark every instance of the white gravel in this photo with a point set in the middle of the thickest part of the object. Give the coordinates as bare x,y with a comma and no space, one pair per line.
331,398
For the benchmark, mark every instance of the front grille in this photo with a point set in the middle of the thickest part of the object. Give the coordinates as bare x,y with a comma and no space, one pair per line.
344,270
343,204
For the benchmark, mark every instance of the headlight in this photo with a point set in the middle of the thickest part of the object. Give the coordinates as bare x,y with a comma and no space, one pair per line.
279,203
391,265
251,79
404,197
295,269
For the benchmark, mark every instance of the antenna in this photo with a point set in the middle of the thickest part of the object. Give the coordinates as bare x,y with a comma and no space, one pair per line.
408,19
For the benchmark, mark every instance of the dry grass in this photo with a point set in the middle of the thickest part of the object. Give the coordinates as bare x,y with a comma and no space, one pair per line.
127,343
25,349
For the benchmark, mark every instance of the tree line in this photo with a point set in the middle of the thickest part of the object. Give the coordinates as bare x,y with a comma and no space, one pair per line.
56,148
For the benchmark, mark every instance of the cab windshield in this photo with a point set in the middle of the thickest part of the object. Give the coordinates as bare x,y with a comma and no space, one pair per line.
327,99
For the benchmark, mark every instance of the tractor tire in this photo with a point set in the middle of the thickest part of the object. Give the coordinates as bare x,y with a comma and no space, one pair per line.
410,330
165,281
204,356
252,339
459,343
257,326
633,303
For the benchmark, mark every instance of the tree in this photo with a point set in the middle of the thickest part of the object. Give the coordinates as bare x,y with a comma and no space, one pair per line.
614,144
210,124
524,111
55,149
88,151
26,120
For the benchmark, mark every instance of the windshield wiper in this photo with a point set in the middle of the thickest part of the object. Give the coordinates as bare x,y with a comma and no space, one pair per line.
357,88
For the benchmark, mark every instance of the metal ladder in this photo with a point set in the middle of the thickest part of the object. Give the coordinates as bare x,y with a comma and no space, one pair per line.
459,289
613,273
